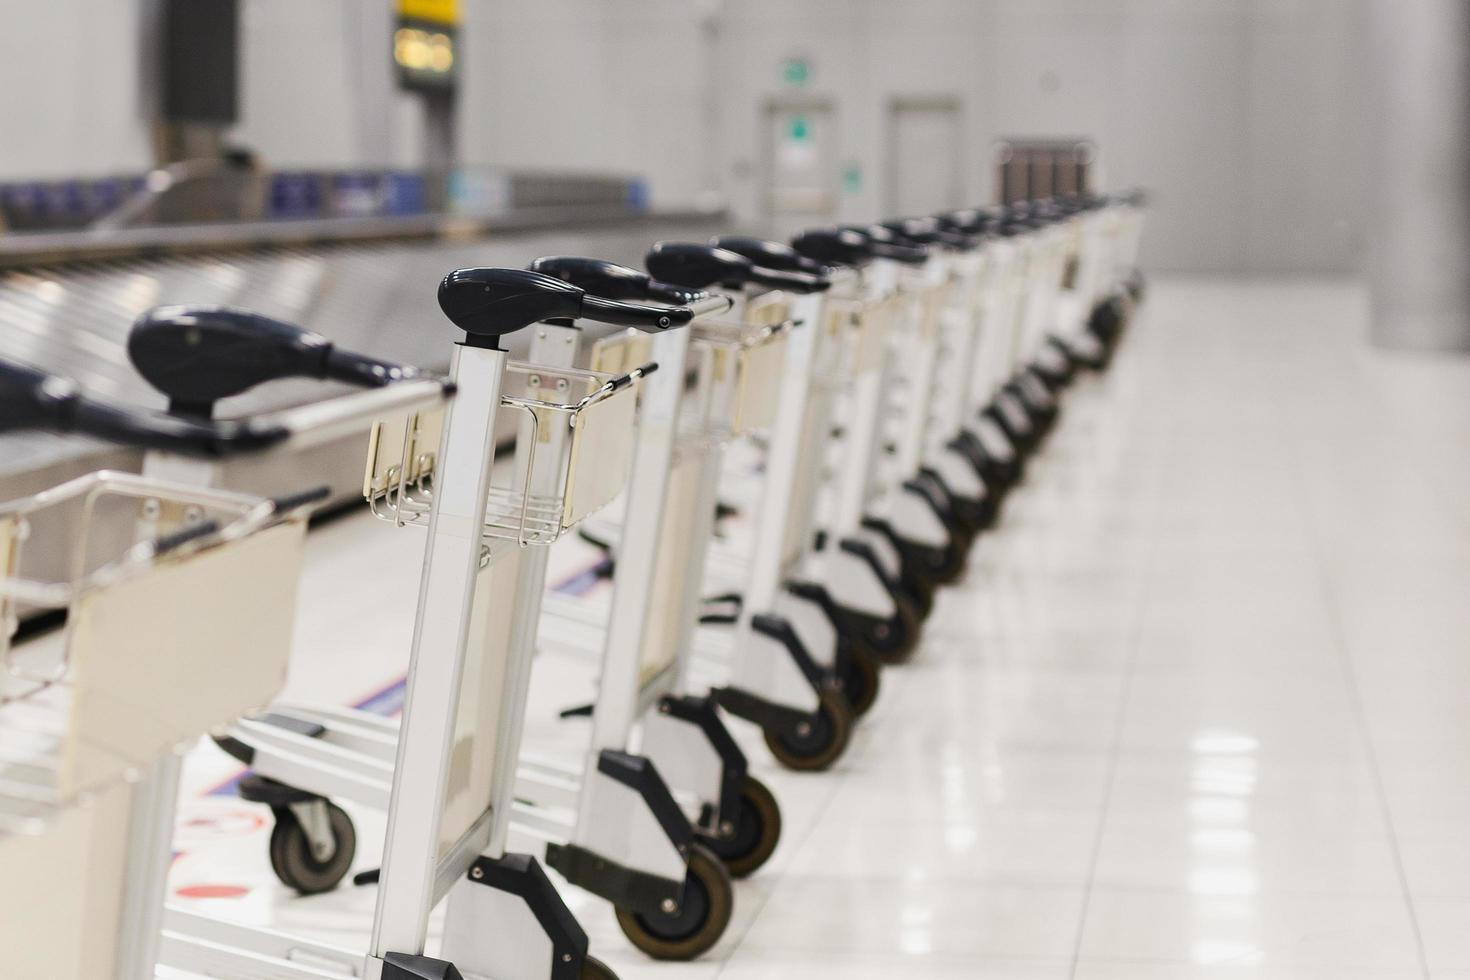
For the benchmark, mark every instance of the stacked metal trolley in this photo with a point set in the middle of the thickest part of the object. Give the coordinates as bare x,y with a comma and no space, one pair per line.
883,385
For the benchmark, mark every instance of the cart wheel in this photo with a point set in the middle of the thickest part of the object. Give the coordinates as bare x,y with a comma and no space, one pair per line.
695,924
944,564
860,675
1137,287
757,830
291,856
823,741
595,969
894,640
917,587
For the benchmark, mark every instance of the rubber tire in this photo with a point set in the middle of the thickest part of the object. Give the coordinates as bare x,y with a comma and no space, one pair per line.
903,637
595,969
824,745
860,673
757,831
946,564
917,588
709,901
291,858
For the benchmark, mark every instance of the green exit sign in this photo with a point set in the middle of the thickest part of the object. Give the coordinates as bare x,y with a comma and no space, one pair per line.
796,72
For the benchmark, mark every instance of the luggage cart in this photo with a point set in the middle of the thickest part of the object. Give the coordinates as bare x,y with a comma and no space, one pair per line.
1123,285
79,734
781,672
936,418
1013,412
727,390
573,431
774,576
448,778
577,807
583,465
901,506
978,439
860,570
90,740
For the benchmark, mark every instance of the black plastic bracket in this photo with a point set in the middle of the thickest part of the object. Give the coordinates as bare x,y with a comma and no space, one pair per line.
638,774
972,512
522,875
862,549
817,594
767,715
701,713
624,887
780,629
929,485
406,966
255,788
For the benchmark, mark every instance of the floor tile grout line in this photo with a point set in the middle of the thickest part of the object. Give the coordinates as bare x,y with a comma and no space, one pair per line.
811,829
1349,676
1114,757
1130,668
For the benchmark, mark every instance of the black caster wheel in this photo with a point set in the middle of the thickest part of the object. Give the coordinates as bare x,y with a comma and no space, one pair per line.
752,839
859,673
822,740
942,565
892,640
293,861
595,969
917,588
972,516
1137,287
689,928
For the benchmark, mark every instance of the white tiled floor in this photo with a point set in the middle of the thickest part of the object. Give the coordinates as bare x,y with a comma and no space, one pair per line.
1201,707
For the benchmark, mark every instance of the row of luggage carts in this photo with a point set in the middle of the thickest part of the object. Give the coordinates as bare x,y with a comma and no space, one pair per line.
863,399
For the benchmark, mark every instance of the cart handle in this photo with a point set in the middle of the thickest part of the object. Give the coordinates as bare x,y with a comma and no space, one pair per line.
833,246
884,244
489,303
34,400
612,281
697,265
771,255
930,231
197,355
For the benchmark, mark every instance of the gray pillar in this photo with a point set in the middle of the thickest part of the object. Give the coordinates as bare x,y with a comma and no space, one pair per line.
1418,77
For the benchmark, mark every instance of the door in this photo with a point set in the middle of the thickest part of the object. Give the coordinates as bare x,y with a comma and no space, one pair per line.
800,168
925,156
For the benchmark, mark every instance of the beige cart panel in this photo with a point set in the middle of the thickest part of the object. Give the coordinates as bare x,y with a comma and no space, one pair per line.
661,645
602,452
63,891
216,624
481,699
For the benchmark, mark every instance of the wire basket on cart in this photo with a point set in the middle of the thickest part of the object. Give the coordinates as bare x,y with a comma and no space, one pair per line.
574,435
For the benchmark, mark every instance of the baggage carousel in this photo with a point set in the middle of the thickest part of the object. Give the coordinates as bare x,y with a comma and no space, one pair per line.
375,296
68,311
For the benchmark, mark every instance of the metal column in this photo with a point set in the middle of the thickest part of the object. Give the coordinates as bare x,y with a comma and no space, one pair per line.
1419,237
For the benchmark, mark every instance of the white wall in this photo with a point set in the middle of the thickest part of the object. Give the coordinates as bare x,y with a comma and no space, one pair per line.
1240,115
317,86
602,85
71,94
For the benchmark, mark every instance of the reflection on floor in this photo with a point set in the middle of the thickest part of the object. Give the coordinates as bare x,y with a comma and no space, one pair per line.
1201,707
